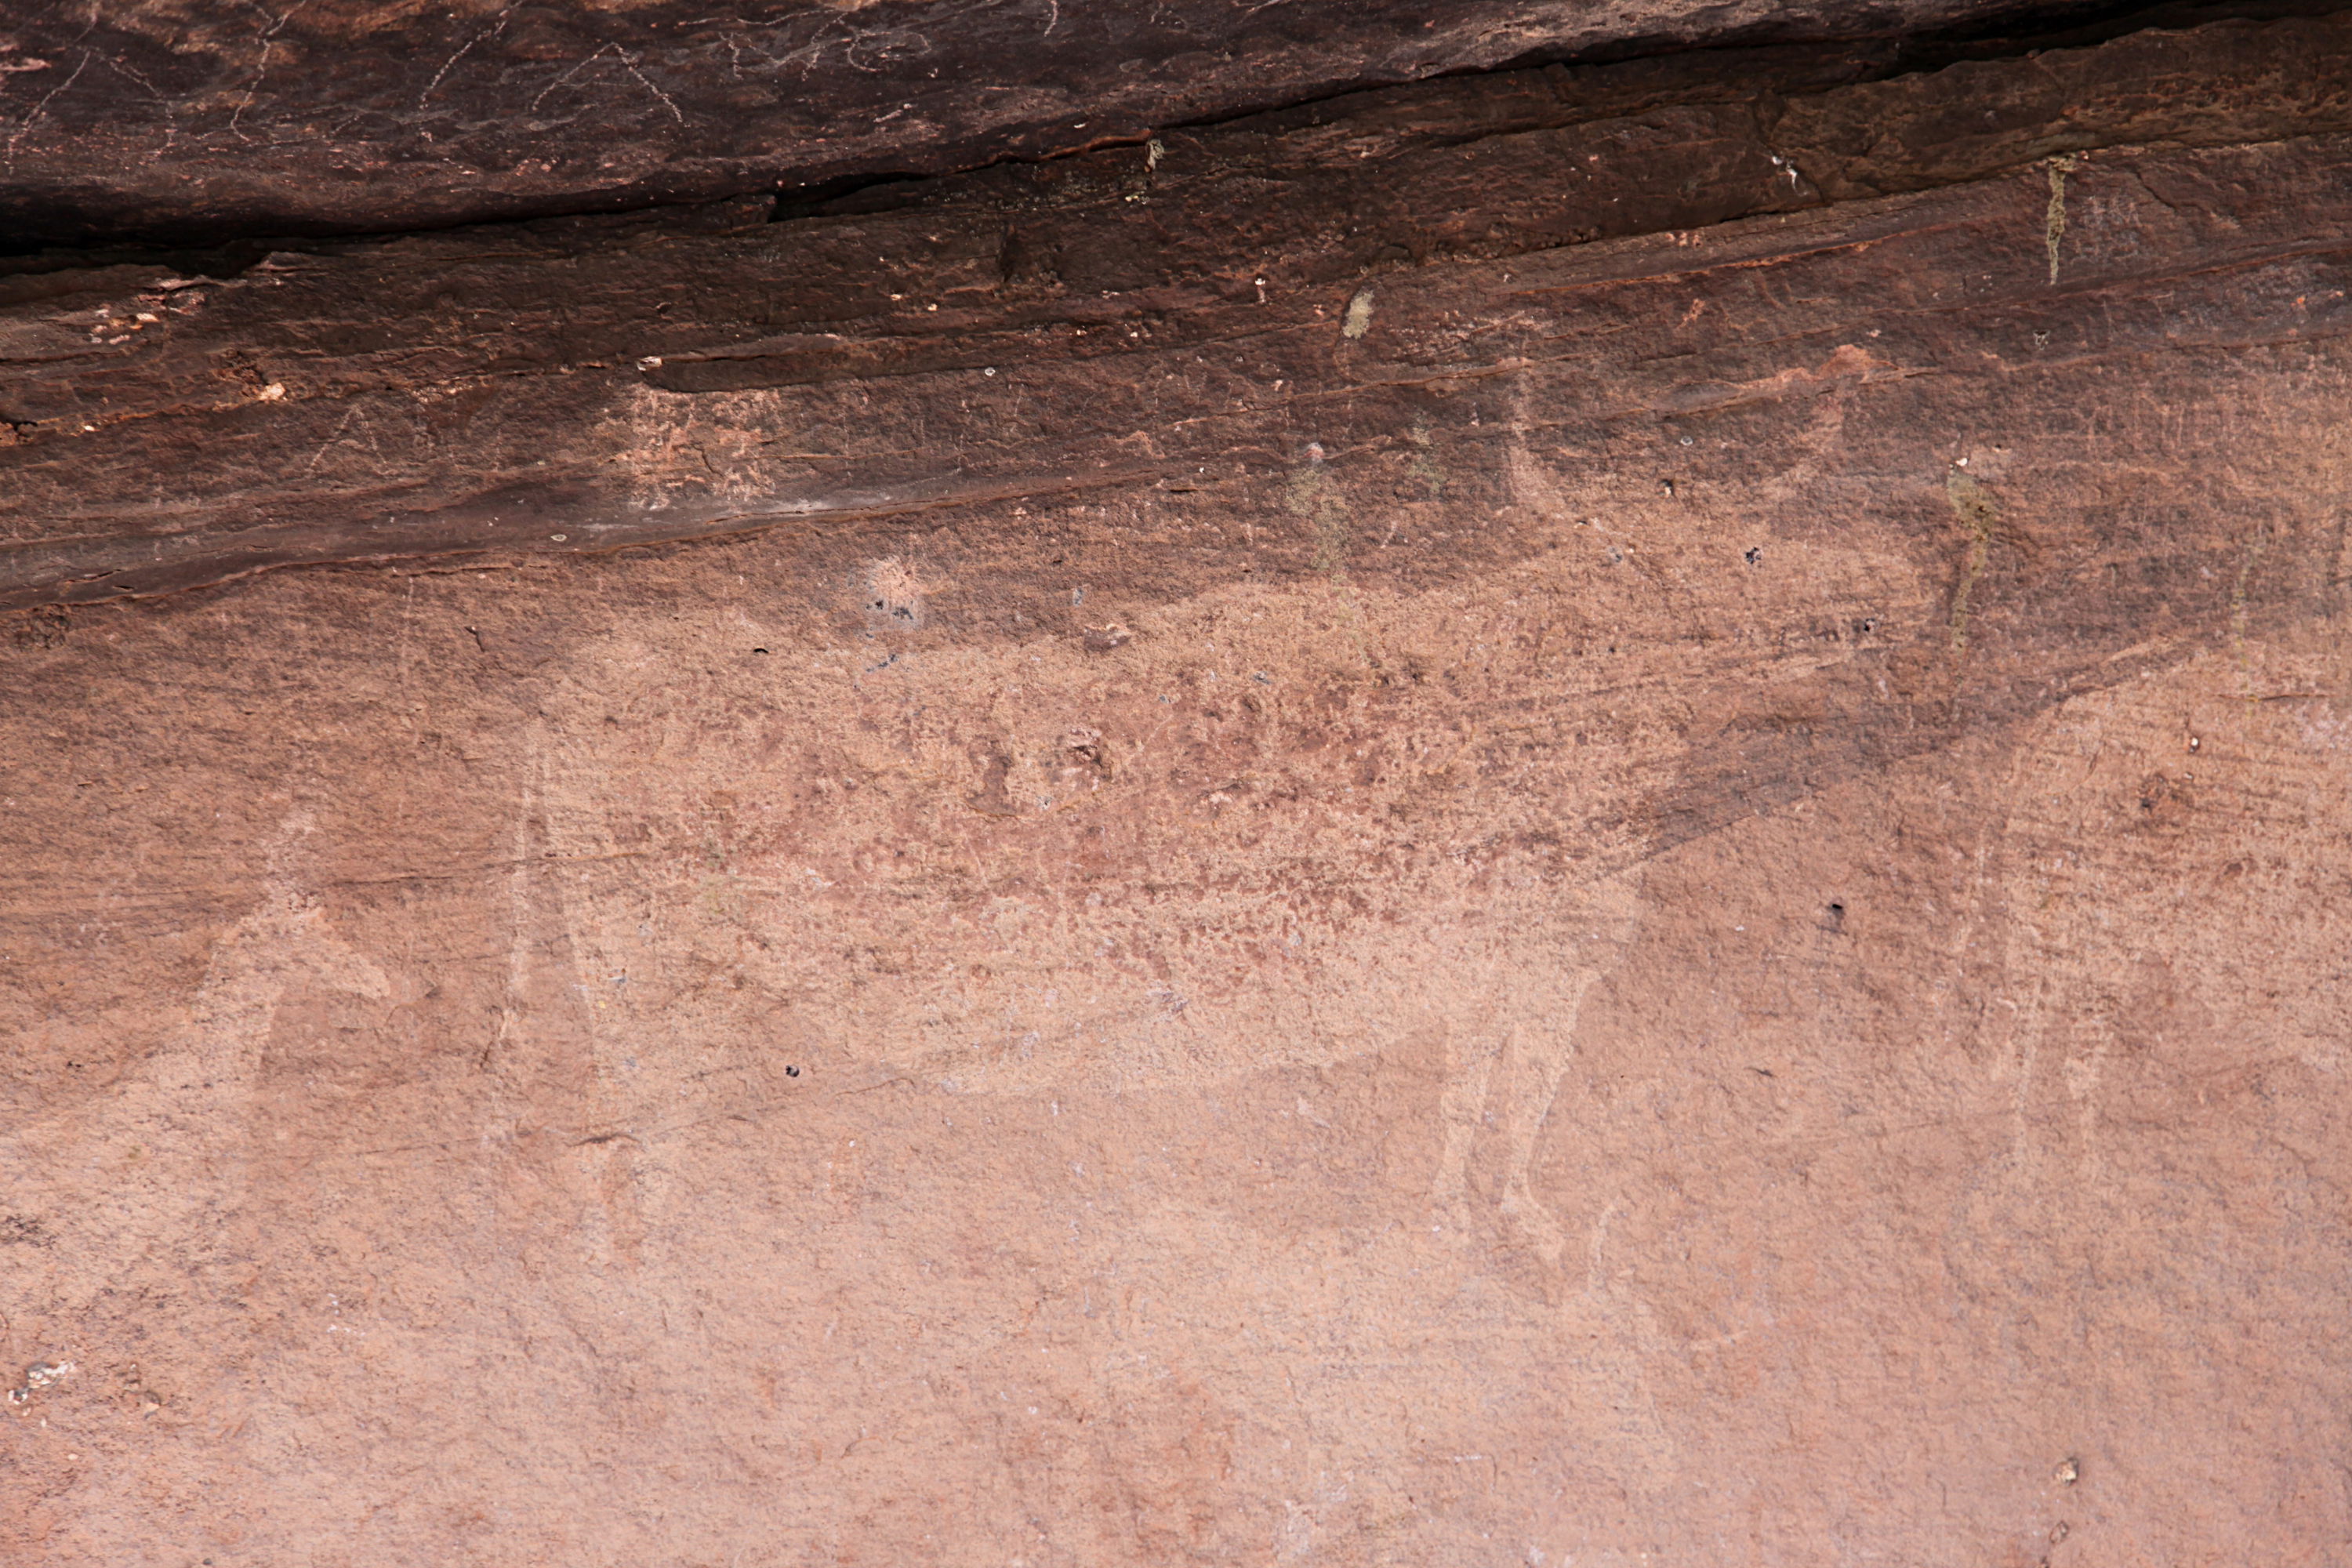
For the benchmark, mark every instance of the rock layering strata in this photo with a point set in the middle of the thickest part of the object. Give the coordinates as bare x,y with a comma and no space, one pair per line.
1196,312
1573,816
165,118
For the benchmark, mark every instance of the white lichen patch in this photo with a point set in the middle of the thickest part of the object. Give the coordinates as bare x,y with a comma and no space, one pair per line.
40,1376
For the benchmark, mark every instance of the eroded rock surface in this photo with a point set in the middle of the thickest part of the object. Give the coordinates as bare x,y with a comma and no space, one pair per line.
1487,824
1194,311
173,118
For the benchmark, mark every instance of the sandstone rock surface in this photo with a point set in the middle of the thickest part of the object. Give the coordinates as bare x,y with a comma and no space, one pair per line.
183,118
1582,816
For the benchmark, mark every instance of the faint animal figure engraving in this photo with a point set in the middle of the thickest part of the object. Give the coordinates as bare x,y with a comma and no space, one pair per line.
1505,1075
183,1124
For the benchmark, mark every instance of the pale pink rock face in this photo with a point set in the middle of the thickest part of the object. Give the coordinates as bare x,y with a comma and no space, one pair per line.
1657,894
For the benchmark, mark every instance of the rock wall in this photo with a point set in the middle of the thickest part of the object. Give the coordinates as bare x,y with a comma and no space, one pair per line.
179,119
1582,816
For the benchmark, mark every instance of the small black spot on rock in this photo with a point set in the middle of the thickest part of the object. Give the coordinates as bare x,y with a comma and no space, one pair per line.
792,1072
1755,556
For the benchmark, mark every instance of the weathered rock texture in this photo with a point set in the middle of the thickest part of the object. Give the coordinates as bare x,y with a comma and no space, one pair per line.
1191,313
1579,817
192,117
